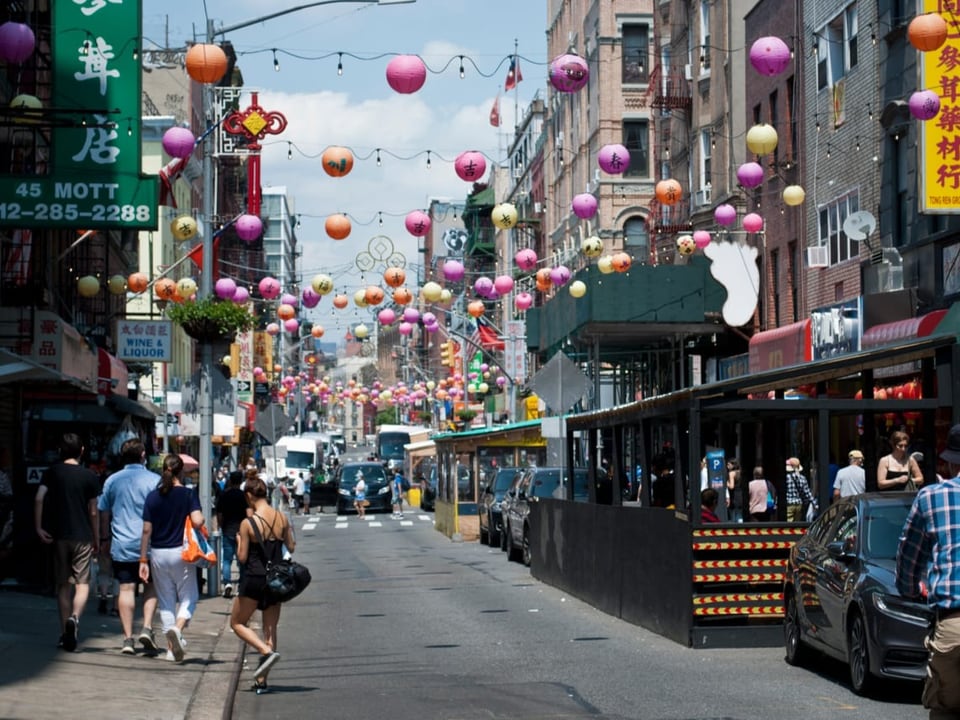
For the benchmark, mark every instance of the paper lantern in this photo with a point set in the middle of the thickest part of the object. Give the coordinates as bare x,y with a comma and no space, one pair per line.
386,316
273,329
504,216
417,223
668,191
373,295
924,104
360,298
762,139
269,288
206,63
322,284
187,287
241,296
613,159
578,289
543,279
769,56
404,328
446,297
605,264
569,73
621,262
291,326
88,286
431,291
725,214
406,74
248,227
183,227
395,277
686,245
927,32
752,222
476,308
526,259
453,270
503,284
285,312
750,174
592,247
794,195
402,296
17,42
317,331
361,331
340,301
137,282
165,289
701,238
117,285
470,165
411,315
560,275
584,206
483,286
288,299
26,103
338,226
523,301
337,161
310,297
178,142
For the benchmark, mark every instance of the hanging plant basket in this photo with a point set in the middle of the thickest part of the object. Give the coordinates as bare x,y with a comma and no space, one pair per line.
210,320
205,330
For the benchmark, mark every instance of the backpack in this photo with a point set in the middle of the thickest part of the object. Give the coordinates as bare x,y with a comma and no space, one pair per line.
771,497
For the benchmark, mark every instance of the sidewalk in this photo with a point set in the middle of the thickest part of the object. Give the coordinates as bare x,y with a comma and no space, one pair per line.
39,681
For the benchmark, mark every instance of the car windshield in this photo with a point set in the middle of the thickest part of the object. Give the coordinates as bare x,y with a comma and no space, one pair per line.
544,483
299,458
504,478
372,474
884,523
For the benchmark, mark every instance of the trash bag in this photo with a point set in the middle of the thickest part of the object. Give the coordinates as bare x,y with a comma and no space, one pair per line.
127,431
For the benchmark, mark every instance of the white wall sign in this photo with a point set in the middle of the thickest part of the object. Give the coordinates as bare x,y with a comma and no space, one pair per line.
144,340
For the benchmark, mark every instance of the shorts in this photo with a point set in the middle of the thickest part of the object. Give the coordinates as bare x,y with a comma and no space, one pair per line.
71,562
126,573
255,588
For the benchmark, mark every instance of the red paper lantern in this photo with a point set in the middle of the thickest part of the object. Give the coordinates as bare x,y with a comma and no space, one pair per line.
338,226
137,282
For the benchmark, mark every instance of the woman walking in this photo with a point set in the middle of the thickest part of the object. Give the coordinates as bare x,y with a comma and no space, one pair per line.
898,470
165,512
262,538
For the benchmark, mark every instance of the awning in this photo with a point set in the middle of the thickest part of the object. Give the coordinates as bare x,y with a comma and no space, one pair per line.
126,406
112,374
910,329
781,347
15,368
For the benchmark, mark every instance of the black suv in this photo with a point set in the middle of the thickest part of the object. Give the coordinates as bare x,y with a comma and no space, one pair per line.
378,486
491,496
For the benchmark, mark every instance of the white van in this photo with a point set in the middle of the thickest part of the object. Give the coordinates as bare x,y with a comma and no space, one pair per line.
304,454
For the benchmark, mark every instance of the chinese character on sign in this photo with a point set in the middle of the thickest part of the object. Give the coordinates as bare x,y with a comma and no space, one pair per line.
95,57
95,145
89,7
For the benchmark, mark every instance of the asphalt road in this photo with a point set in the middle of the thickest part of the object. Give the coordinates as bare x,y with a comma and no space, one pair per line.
401,623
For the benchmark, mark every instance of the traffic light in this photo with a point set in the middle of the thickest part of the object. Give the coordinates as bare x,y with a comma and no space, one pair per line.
447,352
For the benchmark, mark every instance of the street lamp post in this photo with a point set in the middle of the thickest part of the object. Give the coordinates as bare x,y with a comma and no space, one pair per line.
206,279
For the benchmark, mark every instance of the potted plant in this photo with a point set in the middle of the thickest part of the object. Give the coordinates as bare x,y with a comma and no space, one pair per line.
466,414
210,319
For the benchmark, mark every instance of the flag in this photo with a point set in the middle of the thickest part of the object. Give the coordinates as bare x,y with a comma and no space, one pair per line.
513,74
495,112
486,337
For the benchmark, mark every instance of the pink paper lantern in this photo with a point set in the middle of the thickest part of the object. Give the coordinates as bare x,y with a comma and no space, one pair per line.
483,286
411,315
417,223
560,275
273,329
17,42
248,227
613,159
523,300
431,328
288,299
291,325
501,381
310,297
241,296
405,328
453,270
526,259
584,206
269,288
769,56
406,74
503,284
429,318
725,214
752,222
750,174
569,73
470,165
225,288
386,316
701,238
178,142
924,104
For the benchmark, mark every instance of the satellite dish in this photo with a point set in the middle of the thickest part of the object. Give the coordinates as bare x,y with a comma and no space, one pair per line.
859,225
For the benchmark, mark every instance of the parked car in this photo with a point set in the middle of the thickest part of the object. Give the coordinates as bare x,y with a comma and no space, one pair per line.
428,494
534,483
491,496
378,486
840,597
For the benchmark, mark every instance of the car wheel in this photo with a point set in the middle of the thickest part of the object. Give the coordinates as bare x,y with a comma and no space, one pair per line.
484,535
504,533
493,535
525,554
513,553
792,633
858,655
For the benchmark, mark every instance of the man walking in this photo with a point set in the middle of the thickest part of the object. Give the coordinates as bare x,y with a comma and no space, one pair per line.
70,525
232,509
121,526
850,480
798,491
931,538
396,489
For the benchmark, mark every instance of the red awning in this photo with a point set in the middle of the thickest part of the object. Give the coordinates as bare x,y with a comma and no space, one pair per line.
112,374
781,347
892,332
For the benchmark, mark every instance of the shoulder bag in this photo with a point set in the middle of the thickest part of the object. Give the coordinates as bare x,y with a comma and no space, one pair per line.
285,578
196,549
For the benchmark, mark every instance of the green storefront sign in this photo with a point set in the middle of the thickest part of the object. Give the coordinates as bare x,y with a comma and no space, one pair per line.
95,176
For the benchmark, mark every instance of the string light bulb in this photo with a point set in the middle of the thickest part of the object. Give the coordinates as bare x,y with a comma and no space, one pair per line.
136,50
340,63
289,150
828,150
428,160
129,128
378,157
276,62
462,73
380,222
857,140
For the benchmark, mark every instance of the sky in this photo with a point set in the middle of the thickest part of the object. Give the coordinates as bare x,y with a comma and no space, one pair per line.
359,110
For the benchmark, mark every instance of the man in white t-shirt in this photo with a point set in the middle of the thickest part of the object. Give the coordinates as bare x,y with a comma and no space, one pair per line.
298,486
850,480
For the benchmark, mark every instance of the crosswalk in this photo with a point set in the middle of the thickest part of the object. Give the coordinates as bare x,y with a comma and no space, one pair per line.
342,522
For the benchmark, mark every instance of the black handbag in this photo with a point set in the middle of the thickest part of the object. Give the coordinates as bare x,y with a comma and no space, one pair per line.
285,578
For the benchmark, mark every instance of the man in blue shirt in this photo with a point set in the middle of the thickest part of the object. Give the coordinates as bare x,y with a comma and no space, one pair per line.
121,523
931,538
396,488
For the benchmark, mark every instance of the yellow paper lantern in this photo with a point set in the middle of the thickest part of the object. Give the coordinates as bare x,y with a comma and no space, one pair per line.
605,264
504,216
88,286
578,289
431,291
183,227
794,195
322,284
446,297
23,104
360,298
361,331
762,139
117,285
592,246
186,287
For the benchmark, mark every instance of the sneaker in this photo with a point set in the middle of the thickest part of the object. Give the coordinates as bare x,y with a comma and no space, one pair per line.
266,662
169,656
70,632
148,640
228,590
128,647
177,643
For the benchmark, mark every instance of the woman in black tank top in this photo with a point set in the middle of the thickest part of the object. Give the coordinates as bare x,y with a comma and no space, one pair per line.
896,470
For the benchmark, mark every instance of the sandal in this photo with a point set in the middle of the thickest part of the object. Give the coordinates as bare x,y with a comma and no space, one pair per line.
260,687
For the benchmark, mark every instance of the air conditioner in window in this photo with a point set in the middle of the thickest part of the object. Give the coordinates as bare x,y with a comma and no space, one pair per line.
688,72
703,197
818,256
517,173
537,207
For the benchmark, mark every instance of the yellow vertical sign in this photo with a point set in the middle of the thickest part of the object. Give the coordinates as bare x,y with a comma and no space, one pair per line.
940,137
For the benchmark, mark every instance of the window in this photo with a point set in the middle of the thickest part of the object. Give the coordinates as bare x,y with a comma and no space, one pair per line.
636,238
775,273
831,234
636,139
706,153
775,123
705,36
791,151
635,48
837,48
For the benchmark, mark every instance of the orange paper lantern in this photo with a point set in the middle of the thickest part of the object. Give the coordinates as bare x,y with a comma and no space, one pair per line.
165,289
395,277
337,161
338,226
137,282
927,32
373,295
669,191
621,262
402,296
476,308
286,312
340,301
206,63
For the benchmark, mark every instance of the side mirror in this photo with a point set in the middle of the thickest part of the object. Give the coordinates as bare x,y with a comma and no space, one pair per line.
840,550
